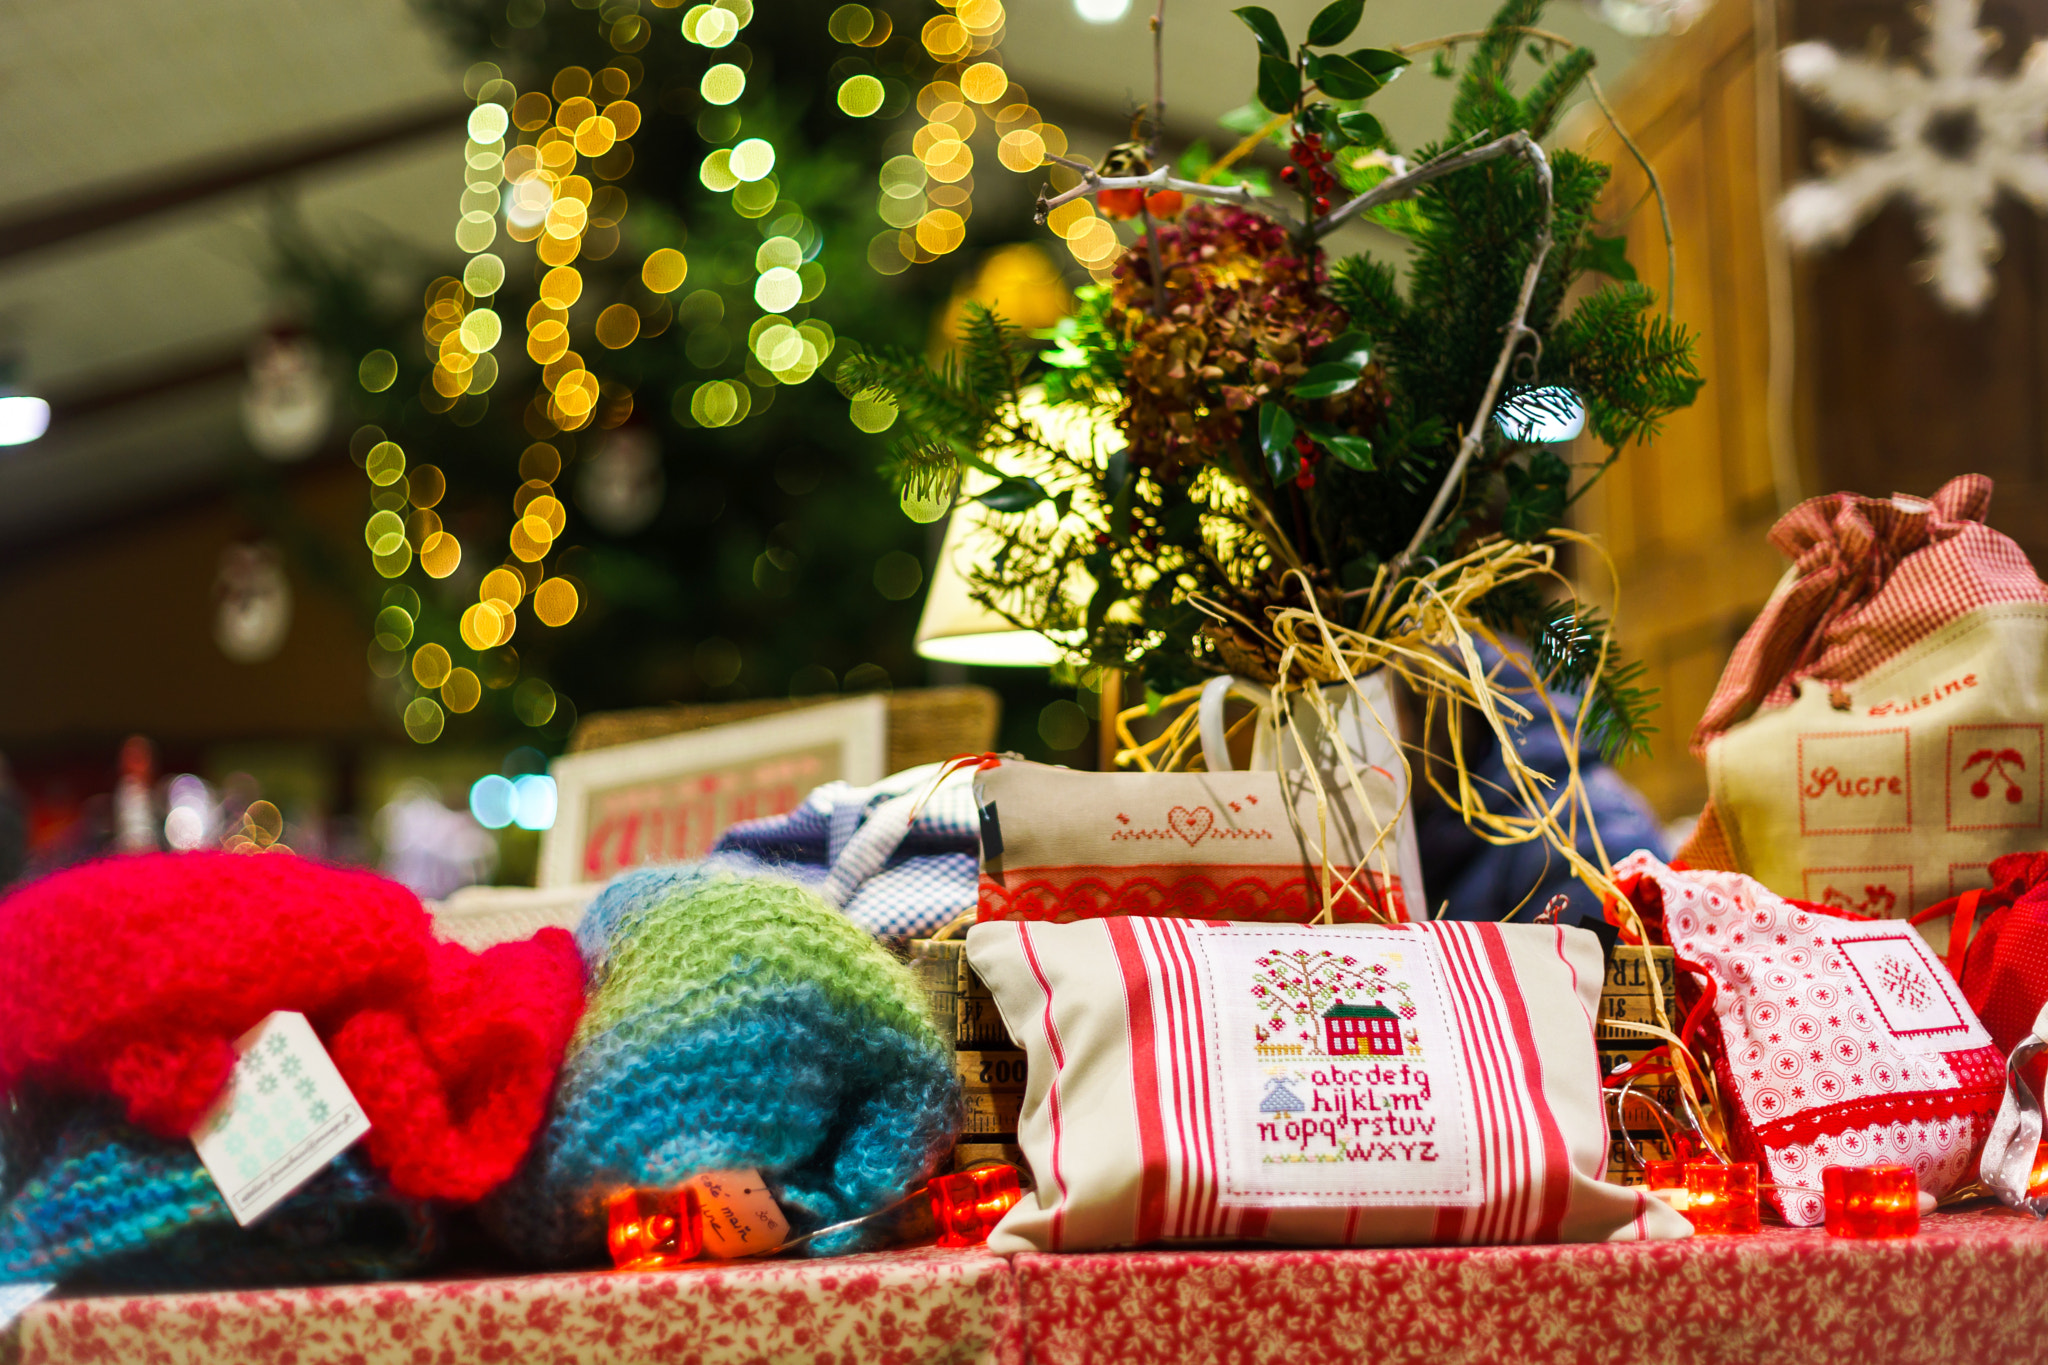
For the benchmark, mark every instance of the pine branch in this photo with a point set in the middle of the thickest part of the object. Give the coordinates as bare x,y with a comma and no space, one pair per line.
1546,98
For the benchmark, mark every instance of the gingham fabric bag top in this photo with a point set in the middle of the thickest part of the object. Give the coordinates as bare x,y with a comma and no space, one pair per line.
1348,1085
1877,738
1837,1042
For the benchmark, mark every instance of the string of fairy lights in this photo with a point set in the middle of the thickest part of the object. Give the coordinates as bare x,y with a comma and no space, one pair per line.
540,167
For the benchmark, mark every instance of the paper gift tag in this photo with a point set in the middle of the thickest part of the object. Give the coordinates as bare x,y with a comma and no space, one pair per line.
16,1298
739,1216
285,1115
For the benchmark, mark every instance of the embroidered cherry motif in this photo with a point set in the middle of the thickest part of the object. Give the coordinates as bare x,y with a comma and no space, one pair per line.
1995,765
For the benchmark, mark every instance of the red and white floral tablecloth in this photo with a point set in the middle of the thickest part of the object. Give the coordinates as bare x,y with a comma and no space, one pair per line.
1973,1287
879,1309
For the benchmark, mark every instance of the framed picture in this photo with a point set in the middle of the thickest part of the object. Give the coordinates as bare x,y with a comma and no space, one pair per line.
667,800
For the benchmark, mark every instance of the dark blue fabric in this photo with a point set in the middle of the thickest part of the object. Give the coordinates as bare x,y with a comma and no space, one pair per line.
1484,882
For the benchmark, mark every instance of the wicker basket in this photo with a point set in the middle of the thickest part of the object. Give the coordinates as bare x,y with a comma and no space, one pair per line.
926,724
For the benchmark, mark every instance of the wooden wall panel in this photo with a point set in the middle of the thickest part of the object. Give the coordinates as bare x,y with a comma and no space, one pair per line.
1685,515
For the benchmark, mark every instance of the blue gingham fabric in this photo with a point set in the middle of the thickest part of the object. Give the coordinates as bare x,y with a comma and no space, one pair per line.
859,847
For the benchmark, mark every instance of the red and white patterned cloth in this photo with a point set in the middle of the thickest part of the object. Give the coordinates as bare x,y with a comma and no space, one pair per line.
1838,1042
1964,1292
1870,577
897,1308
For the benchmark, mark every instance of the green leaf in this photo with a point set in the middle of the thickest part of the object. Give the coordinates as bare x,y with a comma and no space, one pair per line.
1327,381
1276,439
1353,349
1333,24
1362,127
1266,28
1607,256
1380,61
1013,495
1249,118
1279,84
1350,449
1341,78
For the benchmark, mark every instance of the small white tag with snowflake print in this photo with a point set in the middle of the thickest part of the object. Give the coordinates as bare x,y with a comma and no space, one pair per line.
15,1299
286,1114
738,1217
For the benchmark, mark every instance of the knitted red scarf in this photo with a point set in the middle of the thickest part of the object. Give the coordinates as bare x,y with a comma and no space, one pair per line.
133,976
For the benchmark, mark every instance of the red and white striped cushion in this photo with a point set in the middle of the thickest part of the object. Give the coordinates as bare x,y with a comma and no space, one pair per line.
1348,1085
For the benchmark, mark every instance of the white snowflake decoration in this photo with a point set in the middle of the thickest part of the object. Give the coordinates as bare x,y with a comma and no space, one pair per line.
1952,136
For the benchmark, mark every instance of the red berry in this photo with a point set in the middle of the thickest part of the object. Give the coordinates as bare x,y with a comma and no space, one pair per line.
1322,203
1165,203
1102,537
1305,446
1287,175
1120,203
1306,479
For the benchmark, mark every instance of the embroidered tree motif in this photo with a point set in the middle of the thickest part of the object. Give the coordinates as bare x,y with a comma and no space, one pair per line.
1996,764
1904,981
1299,985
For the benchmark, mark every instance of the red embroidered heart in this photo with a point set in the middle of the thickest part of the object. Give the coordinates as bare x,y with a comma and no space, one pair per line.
1190,825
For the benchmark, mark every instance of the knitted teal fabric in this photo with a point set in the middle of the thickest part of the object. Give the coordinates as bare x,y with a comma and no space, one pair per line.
735,1020
113,1205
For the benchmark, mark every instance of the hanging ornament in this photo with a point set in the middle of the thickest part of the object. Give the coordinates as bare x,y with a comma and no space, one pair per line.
621,485
288,404
1950,135
253,603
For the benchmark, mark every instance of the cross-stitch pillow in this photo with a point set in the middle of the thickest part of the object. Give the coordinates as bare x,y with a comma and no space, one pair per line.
1350,1085
1062,845
1838,1042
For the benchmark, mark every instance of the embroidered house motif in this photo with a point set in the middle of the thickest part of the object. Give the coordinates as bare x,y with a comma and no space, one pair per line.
1349,1030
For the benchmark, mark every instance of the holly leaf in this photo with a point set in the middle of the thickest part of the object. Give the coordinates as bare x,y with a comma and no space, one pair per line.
1334,22
1362,127
1341,78
1349,449
1608,256
1279,84
1265,26
1327,381
1014,495
1381,62
1352,348
1276,439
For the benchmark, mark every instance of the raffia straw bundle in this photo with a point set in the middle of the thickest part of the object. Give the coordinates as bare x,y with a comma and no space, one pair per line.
1423,630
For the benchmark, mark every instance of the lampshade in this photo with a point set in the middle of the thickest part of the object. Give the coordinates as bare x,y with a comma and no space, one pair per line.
955,628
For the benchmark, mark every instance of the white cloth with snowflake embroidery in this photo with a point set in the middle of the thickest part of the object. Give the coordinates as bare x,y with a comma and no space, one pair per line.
1840,1042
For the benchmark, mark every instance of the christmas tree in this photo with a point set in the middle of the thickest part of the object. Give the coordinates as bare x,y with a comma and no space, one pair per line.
598,471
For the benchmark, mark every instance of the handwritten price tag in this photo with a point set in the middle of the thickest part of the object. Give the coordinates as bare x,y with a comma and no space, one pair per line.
740,1217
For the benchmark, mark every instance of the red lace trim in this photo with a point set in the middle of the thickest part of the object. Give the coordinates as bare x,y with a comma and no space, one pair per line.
1181,891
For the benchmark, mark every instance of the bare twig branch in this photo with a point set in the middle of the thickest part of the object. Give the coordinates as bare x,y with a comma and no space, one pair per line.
1157,263
1656,187
1453,39
1158,75
1517,329
1092,181
1401,186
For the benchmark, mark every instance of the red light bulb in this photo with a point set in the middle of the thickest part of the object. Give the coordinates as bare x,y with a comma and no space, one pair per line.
1871,1201
968,1204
